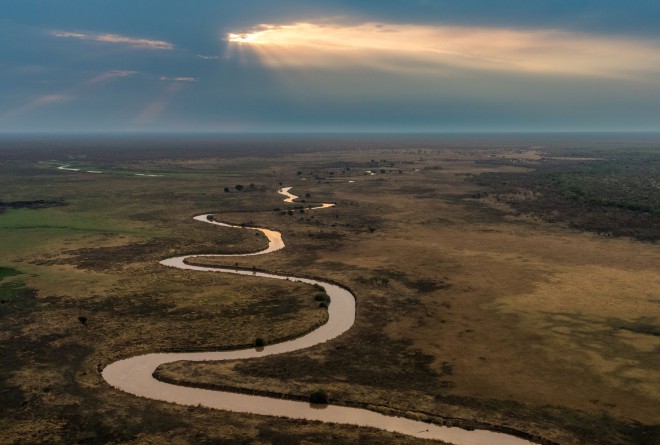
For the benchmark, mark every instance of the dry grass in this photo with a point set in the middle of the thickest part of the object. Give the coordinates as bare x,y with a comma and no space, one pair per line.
535,315
463,310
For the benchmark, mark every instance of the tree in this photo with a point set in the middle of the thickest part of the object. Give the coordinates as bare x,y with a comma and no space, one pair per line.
238,187
226,189
320,397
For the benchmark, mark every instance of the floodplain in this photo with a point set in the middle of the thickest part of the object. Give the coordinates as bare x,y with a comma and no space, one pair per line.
512,286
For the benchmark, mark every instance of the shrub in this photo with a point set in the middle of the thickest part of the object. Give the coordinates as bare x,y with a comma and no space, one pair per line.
322,296
82,320
319,397
259,342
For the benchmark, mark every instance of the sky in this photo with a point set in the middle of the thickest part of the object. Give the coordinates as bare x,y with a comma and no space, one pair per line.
260,66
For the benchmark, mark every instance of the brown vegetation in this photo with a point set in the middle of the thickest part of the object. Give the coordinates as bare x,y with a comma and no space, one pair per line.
468,311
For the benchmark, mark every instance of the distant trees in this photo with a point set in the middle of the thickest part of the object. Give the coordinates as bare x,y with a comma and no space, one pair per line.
239,187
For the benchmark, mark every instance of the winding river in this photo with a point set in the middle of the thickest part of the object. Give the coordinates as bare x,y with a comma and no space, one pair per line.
135,375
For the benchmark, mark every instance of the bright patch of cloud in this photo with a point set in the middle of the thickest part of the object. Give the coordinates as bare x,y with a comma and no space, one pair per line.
116,38
203,57
405,48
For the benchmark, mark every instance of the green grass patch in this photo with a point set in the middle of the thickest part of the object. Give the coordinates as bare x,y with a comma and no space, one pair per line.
51,218
15,297
91,169
6,272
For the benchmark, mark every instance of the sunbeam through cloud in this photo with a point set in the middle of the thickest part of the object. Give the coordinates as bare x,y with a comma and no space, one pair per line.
423,48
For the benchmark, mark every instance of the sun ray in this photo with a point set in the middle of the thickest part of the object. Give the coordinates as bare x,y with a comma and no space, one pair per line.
408,48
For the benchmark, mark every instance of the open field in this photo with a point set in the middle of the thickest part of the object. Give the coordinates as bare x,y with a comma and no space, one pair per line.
471,309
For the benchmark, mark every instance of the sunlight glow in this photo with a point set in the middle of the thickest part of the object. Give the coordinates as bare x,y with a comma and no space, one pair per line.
244,38
422,48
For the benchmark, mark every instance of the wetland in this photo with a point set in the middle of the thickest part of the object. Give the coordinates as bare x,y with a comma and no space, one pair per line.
498,286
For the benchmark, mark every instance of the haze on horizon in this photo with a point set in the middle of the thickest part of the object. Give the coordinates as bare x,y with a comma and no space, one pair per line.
329,66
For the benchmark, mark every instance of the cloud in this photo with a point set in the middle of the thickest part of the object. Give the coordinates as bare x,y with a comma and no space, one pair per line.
109,76
422,48
132,42
179,79
203,57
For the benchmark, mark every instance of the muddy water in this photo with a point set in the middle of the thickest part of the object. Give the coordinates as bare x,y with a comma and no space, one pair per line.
290,197
134,375
275,241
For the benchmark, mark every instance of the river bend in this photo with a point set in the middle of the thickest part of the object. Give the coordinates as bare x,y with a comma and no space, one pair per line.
135,375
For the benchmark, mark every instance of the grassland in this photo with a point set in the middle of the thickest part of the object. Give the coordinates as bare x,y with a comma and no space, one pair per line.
471,310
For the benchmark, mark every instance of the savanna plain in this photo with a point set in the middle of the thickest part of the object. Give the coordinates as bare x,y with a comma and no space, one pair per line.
511,285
